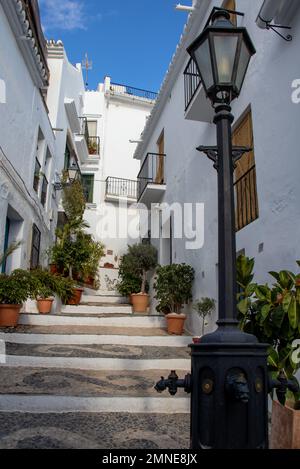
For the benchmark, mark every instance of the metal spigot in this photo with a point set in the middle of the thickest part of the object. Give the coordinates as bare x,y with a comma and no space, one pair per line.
282,384
173,383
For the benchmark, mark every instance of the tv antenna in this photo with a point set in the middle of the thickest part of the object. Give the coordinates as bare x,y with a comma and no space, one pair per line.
87,66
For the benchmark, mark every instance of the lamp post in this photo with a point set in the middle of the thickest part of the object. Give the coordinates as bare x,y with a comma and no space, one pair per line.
229,380
72,174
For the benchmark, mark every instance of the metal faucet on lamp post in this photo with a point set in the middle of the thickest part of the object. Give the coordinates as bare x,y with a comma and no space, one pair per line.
229,378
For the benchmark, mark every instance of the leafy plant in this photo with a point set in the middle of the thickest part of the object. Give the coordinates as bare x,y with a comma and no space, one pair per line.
46,285
204,308
73,200
173,286
129,281
272,314
16,287
9,251
142,258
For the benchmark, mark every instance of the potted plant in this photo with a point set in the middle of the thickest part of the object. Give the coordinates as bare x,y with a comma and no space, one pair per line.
173,286
141,258
129,282
204,308
272,314
15,289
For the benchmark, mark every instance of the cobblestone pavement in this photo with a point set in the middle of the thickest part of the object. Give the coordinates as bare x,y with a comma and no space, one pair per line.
46,381
94,431
97,351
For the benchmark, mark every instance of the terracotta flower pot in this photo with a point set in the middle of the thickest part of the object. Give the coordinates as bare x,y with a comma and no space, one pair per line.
285,433
53,269
44,305
140,302
175,323
76,298
9,315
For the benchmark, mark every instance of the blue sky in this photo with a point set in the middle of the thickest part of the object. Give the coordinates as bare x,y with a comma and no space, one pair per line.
130,40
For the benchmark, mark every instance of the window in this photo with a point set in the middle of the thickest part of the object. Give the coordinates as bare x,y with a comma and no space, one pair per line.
36,177
230,5
67,158
160,163
92,128
35,247
88,187
246,201
44,191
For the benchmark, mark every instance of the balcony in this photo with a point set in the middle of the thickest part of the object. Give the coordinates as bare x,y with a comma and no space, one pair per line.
118,188
197,106
151,179
129,91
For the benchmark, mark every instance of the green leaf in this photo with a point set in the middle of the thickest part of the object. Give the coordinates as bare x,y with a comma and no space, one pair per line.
275,275
243,306
273,358
265,311
286,302
292,312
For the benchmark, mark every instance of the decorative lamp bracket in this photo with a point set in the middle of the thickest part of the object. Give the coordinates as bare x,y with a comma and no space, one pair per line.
212,154
275,27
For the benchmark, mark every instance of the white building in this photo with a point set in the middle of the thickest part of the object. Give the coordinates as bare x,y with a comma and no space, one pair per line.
27,142
65,100
115,115
266,117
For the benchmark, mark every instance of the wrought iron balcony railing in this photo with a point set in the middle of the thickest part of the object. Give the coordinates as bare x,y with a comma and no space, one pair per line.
118,187
152,172
246,201
130,90
192,82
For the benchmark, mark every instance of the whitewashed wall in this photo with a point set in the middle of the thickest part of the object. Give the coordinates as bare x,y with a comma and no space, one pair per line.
190,176
22,113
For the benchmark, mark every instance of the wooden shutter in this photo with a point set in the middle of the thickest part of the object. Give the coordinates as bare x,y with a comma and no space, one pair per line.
35,247
160,159
245,175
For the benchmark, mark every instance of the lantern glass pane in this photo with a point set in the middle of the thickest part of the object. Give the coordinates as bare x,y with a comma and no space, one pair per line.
244,59
225,50
72,174
203,59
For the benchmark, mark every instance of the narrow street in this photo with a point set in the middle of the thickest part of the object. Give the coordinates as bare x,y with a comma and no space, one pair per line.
82,380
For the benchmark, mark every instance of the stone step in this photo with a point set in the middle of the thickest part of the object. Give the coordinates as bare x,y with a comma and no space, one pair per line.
92,363
107,299
91,309
78,383
87,320
94,431
57,404
97,351
85,339
67,330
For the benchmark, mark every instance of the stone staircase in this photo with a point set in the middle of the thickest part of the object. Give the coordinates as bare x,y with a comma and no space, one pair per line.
85,379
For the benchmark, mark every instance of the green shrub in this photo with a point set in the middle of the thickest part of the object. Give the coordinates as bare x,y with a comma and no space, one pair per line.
16,287
173,286
204,308
272,314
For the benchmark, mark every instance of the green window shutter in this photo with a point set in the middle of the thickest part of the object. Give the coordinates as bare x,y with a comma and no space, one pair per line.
88,187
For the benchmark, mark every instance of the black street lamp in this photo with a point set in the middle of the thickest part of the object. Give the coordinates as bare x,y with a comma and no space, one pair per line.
72,173
229,380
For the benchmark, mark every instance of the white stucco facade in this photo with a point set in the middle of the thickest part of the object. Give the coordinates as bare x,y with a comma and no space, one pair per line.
117,116
190,177
26,134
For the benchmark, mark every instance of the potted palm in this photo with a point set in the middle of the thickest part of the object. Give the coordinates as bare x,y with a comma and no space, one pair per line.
173,286
15,289
47,285
272,314
142,258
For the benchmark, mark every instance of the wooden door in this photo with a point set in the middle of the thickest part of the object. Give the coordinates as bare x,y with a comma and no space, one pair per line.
160,163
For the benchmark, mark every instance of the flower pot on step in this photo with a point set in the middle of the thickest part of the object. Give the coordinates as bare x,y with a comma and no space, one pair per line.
44,305
76,298
140,302
9,315
285,432
175,323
